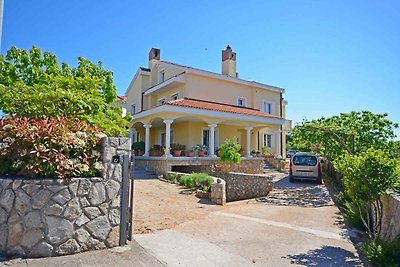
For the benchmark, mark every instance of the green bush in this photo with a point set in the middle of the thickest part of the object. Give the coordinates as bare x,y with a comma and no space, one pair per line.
138,146
366,177
172,177
200,181
49,148
383,254
229,151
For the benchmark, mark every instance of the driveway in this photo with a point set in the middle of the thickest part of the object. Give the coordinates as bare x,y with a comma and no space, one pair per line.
296,225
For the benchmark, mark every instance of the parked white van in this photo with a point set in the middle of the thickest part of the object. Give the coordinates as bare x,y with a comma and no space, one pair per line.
305,166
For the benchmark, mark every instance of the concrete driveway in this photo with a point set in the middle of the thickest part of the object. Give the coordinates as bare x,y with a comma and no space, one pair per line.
296,225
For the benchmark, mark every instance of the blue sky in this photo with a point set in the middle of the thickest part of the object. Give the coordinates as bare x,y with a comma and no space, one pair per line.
330,56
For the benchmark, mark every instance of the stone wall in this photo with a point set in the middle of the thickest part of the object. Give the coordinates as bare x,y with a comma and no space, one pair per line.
391,216
162,165
42,217
241,186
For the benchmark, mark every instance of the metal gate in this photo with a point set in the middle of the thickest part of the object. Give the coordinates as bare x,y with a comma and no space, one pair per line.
127,189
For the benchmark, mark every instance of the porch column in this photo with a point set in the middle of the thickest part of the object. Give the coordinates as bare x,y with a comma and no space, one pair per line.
278,143
248,141
147,139
212,140
167,137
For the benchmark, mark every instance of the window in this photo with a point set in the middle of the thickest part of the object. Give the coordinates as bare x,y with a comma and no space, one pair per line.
305,160
175,96
133,109
241,102
267,142
205,138
267,107
162,101
161,76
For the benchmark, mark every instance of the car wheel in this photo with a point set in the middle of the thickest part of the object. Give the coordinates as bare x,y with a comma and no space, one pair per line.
319,181
291,179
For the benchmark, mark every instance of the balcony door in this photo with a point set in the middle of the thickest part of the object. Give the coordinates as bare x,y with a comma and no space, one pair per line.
206,139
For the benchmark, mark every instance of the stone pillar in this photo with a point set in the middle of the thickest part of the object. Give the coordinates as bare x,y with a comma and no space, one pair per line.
218,192
168,137
212,140
248,141
147,139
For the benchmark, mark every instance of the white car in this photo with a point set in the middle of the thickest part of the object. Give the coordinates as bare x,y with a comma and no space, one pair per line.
305,166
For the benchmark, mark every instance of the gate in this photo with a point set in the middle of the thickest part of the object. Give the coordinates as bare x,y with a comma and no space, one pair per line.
127,189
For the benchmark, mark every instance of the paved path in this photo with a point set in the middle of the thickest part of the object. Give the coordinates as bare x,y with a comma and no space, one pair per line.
302,229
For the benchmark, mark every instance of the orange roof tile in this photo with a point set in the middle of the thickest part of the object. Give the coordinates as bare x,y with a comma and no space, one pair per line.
209,105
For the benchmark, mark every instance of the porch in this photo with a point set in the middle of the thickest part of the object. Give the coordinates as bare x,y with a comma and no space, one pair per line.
205,126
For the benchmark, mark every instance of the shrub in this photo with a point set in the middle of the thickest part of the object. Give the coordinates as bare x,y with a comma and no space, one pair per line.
172,177
229,151
383,253
200,181
366,177
49,148
187,181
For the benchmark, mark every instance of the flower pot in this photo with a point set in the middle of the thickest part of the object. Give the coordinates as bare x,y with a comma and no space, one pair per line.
140,153
191,154
153,153
201,153
177,153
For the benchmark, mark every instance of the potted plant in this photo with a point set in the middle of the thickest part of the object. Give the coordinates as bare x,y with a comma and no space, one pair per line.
153,152
190,153
138,148
201,150
177,149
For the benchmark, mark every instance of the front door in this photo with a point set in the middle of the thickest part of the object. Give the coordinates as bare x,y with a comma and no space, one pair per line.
206,139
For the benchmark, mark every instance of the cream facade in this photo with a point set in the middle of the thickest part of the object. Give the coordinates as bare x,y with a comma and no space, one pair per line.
172,103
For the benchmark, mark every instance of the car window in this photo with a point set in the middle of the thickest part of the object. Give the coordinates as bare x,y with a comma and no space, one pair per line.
305,160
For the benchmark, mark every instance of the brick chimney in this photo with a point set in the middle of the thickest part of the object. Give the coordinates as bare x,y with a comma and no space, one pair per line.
154,54
229,62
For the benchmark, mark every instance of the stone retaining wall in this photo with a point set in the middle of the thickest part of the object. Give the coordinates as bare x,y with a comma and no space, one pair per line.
391,216
241,186
42,217
162,165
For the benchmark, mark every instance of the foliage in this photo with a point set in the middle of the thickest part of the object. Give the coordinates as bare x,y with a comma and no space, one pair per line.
366,177
138,146
35,85
229,151
350,211
200,181
49,148
172,177
178,147
383,253
265,150
199,147
333,136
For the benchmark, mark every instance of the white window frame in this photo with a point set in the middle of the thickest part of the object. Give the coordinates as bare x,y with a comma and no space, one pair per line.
265,140
133,109
174,94
162,99
271,106
216,141
244,99
163,132
161,76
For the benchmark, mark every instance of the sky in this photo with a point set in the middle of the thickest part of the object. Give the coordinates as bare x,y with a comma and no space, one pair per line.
330,56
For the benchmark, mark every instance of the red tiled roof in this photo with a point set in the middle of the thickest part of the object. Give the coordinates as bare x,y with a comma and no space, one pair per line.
121,97
209,105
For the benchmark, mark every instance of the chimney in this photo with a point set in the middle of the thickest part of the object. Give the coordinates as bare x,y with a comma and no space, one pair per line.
154,54
229,62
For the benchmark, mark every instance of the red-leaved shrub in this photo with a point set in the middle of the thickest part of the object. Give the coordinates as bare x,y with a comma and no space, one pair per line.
49,148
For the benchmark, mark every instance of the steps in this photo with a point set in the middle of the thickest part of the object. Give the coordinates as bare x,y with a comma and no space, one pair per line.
143,174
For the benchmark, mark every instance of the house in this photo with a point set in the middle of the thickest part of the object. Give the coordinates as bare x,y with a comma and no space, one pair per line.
172,103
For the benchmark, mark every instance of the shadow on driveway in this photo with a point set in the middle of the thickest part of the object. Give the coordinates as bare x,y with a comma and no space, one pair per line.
326,256
304,194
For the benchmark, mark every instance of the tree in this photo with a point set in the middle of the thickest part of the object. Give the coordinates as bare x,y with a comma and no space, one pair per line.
353,132
367,176
35,85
